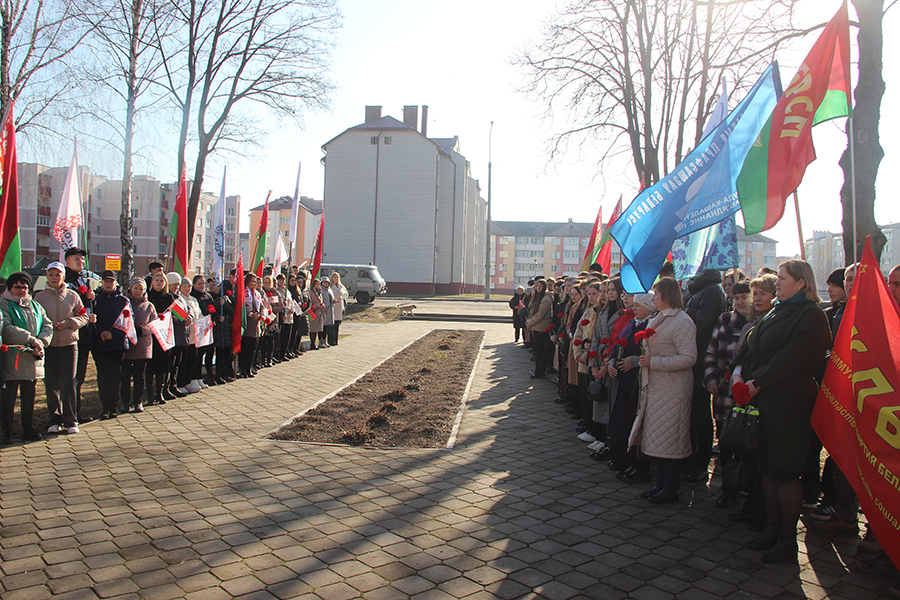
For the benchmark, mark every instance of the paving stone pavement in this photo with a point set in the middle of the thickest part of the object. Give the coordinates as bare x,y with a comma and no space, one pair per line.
190,501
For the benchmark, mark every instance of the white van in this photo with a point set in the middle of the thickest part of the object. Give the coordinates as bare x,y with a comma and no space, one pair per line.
363,282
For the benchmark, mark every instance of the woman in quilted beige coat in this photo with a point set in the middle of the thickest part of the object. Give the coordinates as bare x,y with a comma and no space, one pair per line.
662,425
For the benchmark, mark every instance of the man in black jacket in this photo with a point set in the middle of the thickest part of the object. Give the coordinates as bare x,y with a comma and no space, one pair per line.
704,302
79,279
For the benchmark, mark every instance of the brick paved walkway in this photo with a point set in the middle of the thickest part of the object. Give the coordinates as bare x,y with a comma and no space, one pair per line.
189,500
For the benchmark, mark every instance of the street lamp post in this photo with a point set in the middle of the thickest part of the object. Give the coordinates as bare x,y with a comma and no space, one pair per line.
487,228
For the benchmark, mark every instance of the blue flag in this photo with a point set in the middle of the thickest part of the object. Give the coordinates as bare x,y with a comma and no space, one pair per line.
714,247
700,192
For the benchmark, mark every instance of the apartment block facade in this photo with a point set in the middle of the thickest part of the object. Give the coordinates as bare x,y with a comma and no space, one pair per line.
152,203
405,202
825,251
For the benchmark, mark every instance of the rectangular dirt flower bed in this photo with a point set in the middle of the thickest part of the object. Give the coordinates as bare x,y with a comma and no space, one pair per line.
410,400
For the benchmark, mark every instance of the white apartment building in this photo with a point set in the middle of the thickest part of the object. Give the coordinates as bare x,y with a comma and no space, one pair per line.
405,202
825,251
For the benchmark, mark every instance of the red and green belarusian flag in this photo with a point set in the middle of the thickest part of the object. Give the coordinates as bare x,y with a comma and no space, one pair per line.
262,240
603,257
593,247
178,229
239,322
777,161
317,249
179,311
10,242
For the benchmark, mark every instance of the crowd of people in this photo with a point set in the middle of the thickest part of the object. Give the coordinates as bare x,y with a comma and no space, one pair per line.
651,378
141,360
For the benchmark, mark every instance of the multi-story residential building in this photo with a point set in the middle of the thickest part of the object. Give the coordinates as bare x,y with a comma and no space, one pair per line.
280,221
405,202
825,251
520,250
755,251
40,192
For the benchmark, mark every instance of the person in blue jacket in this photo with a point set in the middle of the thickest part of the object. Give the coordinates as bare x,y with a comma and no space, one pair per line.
109,343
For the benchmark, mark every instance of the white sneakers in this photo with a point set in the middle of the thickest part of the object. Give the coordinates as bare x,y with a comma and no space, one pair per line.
597,446
53,429
192,387
73,429
183,390
586,437
200,383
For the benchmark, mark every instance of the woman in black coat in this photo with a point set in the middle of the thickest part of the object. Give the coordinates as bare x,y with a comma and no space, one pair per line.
778,361
222,323
109,343
518,321
161,360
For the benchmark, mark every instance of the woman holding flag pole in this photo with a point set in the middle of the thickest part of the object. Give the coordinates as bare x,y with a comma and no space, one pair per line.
160,359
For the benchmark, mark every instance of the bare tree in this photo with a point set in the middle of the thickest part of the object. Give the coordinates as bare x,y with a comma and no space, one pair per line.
234,53
36,38
631,75
131,63
866,114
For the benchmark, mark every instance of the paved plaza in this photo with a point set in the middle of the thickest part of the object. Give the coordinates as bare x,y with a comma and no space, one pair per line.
190,500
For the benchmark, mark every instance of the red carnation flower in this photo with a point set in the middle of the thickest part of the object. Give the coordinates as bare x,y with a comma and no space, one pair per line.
577,342
549,328
210,309
639,336
270,294
268,321
622,342
741,393
592,355
227,292
604,341
606,353
82,289
126,313
649,332
4,348
560,315
584,322
162,316
727,376
82,311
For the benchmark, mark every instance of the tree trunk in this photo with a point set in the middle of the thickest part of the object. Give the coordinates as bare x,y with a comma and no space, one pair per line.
196,187
866,113
5,41
125,220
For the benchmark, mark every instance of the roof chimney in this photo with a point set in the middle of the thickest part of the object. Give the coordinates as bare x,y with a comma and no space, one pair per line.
373,113
425,120
411,116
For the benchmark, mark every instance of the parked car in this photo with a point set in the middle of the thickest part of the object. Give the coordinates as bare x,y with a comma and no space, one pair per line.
363,282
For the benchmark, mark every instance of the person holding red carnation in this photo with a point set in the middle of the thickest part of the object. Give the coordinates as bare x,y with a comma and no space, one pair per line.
595,414
662,426
79,280
515,303
778,361
204,356
134,363
109,343
64,309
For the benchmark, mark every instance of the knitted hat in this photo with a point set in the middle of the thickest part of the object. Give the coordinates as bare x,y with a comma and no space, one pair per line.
645,300
836,277
173,278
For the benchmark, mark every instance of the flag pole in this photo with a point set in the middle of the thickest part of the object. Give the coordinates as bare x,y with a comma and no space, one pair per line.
853,182
799,226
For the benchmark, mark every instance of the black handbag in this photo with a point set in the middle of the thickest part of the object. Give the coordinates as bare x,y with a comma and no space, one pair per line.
743,430
595,391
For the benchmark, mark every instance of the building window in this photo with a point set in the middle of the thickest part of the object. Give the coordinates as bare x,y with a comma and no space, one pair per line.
208,223
554,268
43,221
387,140
199,222
96,247
503,266
571,241
98,228
134,231
229,212
199,206
229,227
229,242
134,213
229,257
555,255
162,248
134,249
199,239
98,208
199,254
373,140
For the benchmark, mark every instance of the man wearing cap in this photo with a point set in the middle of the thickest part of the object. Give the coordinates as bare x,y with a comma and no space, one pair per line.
65,310
77,278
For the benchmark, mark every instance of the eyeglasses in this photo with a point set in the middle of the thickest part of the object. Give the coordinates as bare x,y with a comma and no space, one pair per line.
19,287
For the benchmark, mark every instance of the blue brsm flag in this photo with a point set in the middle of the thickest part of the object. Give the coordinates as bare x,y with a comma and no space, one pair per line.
698,193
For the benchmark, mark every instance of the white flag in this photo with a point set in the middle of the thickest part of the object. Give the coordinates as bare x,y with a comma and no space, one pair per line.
125,322
163,331
203,331
295,210
218,262
281,254
69,218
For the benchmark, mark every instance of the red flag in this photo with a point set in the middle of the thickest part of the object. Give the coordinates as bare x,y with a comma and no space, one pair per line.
10,241
240,315
857,414
592,241
317,251
604,257
262,240
179,228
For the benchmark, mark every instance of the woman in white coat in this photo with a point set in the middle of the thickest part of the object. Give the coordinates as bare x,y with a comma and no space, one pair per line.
662,426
